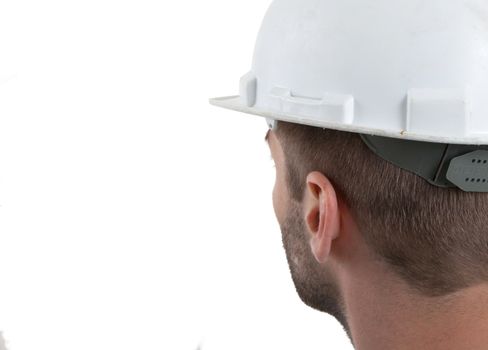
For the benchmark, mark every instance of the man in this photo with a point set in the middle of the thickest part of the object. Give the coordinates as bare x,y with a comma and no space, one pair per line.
383,211
333,263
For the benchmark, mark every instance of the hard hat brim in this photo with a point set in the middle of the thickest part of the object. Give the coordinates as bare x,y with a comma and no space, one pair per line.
234,103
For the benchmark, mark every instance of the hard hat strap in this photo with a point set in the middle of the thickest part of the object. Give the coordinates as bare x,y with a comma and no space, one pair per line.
442,165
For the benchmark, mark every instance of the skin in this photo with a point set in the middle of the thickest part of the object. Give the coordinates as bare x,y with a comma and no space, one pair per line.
334,271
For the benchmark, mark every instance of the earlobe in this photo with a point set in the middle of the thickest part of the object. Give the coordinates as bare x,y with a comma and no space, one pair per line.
322,215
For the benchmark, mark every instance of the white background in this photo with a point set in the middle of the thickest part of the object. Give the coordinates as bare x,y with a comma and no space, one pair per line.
134,215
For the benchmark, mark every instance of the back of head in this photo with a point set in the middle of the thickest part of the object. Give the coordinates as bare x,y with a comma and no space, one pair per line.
435,238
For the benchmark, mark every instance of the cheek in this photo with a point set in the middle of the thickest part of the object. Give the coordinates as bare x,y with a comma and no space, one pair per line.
279,199
275,201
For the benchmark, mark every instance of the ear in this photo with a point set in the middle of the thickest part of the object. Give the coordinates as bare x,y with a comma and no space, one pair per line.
322,216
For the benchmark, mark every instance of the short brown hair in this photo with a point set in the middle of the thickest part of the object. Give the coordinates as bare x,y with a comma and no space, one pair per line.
436,239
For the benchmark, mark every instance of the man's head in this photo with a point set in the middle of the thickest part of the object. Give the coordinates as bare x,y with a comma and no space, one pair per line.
341,207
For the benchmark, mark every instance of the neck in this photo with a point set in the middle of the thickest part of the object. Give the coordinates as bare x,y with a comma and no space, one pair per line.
383,315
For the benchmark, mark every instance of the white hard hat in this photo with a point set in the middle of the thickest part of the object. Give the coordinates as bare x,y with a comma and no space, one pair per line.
400,69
